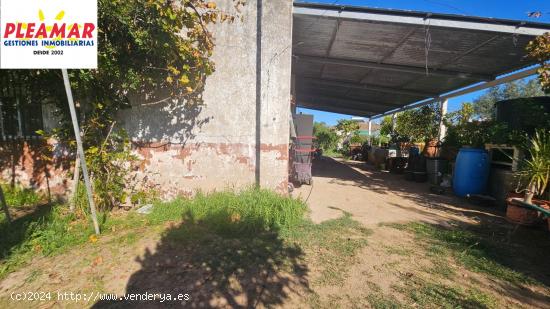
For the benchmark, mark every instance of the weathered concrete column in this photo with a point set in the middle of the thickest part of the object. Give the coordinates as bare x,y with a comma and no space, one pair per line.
240,135
393,121
442,127
275,30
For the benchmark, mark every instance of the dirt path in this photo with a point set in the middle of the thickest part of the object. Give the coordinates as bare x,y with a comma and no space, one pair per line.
375,197
396,260
406,247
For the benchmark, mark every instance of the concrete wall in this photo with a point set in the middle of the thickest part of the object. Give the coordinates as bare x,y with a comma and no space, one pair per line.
35,163
245,117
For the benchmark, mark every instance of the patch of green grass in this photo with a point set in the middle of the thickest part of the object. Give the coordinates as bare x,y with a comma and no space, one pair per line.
332,301
46,231
35,273
129,238
51,230
334,243
19,196
430,294
437,250
380,301
332,153
442,268
472,250
229,213
398,251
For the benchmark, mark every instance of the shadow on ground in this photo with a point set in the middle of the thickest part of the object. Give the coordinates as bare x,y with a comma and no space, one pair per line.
524,250
217,270
15,233
385,183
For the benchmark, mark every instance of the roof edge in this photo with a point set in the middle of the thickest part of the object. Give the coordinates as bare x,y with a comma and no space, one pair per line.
420,14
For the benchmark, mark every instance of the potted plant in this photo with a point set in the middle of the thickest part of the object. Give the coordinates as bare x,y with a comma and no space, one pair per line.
533,176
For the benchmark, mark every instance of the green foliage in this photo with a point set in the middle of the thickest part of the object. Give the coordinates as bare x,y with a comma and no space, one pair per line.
325,137
539,50
358,139
147,48
348,130
380,139
110,164
347,126
142,197
413,125
534,171
230,213
354,139
19,196
463,131
484,106
419,124
386,126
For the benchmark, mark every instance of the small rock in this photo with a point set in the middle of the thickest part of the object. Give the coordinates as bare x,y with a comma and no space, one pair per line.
146,209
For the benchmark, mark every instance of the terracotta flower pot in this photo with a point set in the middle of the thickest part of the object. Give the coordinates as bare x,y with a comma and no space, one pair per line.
521,215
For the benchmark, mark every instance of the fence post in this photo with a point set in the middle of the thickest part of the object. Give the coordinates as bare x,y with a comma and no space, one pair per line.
442,128
80,149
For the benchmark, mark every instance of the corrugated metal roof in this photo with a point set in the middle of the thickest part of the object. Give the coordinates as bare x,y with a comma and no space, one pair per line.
365,61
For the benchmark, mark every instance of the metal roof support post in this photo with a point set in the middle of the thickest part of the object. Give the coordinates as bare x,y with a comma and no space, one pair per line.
442,127
393,121
370,132
467,90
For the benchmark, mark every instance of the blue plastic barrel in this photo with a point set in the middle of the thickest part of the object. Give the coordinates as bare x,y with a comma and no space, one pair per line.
471,172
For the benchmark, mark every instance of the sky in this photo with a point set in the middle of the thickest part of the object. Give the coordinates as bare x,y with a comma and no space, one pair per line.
507,9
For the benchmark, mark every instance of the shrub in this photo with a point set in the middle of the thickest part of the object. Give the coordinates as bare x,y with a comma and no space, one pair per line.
325,137
18,196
